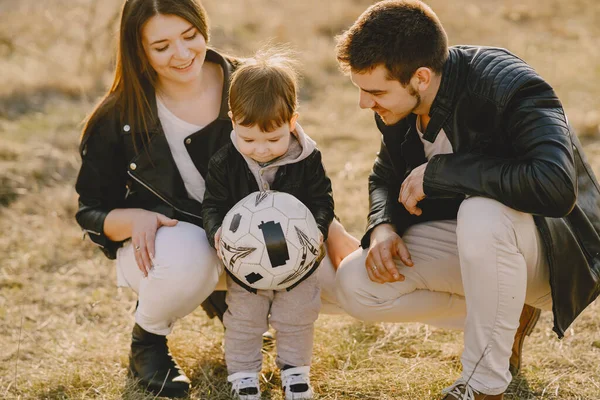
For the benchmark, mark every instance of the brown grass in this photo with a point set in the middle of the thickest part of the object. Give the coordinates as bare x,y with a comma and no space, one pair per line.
65,327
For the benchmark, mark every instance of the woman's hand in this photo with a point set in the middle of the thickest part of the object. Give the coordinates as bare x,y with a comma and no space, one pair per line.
144,225
340,243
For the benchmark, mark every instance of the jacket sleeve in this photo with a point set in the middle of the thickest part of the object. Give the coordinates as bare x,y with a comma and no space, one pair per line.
217,200
101,181
539,180
320,198
384,188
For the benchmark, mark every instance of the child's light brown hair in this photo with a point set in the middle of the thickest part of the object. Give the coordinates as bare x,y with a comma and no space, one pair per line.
264,90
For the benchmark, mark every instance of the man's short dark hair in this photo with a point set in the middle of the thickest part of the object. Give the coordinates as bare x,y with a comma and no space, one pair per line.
402,35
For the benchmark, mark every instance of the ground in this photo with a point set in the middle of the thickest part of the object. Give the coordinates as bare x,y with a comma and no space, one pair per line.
65,326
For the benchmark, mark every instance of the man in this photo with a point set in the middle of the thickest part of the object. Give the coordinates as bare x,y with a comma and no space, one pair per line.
481,200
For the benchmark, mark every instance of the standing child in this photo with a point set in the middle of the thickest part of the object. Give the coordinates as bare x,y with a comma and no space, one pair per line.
268,151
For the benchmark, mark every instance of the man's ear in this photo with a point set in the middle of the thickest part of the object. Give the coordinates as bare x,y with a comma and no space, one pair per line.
293,122
422,78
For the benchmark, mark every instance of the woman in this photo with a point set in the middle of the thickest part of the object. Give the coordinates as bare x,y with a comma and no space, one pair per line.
145,150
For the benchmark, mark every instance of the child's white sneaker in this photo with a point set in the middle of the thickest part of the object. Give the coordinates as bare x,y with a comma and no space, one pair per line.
244,385
296,383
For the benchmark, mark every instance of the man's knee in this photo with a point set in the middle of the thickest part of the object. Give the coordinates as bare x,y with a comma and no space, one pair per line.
483,222
351,279
348,276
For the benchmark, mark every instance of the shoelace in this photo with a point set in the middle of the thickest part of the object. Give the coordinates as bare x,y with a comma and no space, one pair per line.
455,390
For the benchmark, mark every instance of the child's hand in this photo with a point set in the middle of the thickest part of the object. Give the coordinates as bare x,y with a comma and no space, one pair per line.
218,243
218,237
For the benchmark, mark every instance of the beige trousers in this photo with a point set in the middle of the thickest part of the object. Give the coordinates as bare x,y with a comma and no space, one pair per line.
474,273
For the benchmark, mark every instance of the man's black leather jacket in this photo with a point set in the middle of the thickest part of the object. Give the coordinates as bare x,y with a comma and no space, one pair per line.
511,142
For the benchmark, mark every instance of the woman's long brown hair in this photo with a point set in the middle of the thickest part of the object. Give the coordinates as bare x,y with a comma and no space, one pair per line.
134,78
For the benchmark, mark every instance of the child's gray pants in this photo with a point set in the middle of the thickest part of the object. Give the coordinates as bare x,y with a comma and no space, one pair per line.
292,314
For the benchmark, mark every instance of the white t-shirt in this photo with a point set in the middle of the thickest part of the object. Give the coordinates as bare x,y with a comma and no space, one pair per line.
441,145
176,130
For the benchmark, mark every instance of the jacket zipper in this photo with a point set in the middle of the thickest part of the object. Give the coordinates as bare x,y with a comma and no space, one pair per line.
161,197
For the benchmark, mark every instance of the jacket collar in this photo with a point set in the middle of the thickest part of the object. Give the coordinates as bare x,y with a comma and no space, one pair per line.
445,99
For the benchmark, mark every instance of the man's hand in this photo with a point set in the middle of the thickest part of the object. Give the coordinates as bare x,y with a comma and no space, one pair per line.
385,246
411,191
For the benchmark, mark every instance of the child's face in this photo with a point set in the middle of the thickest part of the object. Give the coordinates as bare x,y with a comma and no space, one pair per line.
262,146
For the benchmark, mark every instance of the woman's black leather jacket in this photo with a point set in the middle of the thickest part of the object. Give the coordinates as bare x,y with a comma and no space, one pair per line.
115,173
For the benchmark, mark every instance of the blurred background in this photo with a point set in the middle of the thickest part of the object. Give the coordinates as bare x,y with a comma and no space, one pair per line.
65,327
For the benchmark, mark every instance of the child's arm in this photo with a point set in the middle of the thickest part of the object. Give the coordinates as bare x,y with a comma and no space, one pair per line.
216,198
320,197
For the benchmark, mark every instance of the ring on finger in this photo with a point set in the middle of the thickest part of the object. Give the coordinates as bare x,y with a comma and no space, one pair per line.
374,268
137,247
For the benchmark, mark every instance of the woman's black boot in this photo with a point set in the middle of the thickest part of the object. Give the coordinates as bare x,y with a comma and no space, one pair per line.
151,363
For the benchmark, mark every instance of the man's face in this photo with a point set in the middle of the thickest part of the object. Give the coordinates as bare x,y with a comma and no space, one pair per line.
388,98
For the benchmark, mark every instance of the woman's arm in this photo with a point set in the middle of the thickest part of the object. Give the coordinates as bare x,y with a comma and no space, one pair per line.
340,243
101,188
141,226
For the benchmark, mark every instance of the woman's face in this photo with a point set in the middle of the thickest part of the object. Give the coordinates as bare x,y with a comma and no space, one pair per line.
174,48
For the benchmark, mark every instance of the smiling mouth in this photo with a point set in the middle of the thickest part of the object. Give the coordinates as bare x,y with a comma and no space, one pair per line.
185,65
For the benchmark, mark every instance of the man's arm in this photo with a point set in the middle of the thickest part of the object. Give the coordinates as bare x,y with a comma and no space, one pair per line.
540,179
384,187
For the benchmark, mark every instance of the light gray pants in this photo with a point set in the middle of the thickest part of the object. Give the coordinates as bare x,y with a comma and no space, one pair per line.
186,271
475,273
292,314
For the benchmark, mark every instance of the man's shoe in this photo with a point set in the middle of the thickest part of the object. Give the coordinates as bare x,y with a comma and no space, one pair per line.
460,390
151,363
529,317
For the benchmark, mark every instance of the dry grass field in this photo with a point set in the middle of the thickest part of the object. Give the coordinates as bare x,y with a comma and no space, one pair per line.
65,327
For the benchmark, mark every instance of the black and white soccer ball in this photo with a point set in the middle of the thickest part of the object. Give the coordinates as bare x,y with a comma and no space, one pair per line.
270,240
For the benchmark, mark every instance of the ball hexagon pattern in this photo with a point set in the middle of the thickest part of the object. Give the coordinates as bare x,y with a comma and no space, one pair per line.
270,240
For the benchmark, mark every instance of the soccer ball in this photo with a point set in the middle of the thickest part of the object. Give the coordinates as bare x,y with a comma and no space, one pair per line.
270,240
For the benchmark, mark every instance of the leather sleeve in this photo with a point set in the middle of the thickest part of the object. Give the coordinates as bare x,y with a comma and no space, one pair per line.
384,187
217,201
540,179
320,197
101,181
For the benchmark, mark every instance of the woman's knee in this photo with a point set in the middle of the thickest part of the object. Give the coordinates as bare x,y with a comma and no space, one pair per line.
350,282
184,259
